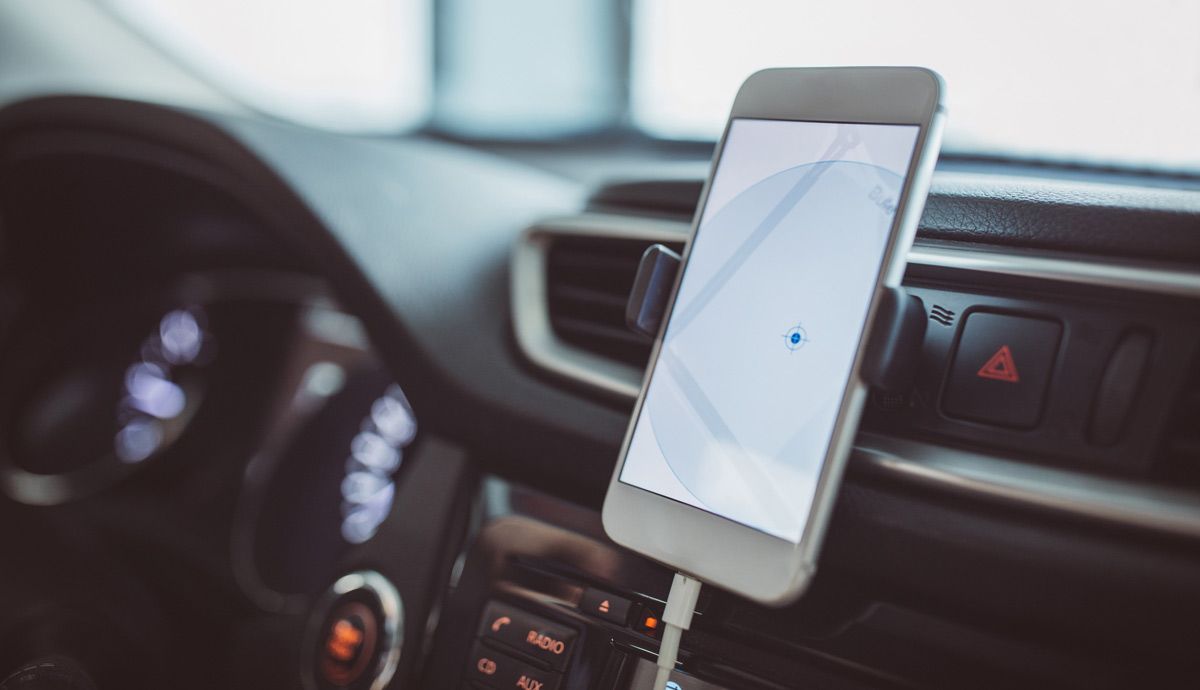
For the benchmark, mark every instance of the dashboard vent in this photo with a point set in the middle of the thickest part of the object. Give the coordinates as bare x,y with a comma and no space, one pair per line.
588,280
1182,450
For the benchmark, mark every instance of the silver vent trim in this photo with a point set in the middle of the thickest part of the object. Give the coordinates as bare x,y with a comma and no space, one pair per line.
977,475
531,317
971,474
1161,280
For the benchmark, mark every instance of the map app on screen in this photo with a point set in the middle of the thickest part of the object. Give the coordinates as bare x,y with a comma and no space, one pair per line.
742,403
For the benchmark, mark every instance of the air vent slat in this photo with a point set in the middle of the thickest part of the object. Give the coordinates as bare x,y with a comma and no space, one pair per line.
586,296
570,261
588,329
616,343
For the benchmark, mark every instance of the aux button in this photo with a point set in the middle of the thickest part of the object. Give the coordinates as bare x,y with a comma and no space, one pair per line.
494,669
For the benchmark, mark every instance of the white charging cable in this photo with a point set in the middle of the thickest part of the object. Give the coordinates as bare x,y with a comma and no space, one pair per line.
681,604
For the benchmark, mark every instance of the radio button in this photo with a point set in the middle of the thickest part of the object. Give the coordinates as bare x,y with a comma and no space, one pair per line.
529,634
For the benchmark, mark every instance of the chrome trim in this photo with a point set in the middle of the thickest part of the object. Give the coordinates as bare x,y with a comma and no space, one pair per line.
531,319
975,475
1162,280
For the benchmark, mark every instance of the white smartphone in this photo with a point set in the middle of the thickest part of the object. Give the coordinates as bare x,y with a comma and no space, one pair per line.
750,405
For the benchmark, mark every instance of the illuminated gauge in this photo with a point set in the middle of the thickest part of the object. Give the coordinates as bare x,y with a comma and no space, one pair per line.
375,454
331,486
154,404
84,416
325,480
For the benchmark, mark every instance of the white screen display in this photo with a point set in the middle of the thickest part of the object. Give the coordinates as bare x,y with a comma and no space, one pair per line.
742,404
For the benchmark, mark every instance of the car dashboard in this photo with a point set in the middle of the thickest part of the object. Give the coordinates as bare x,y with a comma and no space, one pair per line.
283,408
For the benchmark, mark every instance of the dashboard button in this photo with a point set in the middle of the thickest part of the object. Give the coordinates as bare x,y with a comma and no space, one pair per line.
494,669
1001,369
648,622
349,643
603,605
1118,388
528,634
352,640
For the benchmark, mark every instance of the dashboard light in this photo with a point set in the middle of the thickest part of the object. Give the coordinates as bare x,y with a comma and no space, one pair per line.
359,526
324,379
181,337
393,420
363,520
360,487
374,453
150,391
138,440
379,503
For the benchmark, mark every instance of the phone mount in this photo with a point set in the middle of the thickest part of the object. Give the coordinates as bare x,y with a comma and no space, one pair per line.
889,364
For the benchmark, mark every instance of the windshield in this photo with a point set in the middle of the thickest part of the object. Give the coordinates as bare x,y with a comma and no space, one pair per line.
1103,82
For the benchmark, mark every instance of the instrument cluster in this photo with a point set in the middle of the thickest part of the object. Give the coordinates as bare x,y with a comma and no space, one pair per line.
256,376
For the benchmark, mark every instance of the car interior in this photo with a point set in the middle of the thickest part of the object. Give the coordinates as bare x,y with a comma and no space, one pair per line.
315,364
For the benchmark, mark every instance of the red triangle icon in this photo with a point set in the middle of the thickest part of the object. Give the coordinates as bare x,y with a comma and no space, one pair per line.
1000,367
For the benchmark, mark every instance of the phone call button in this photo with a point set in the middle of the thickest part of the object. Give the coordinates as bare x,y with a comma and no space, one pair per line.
528,634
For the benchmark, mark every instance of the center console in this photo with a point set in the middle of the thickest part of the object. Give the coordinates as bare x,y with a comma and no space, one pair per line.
544,602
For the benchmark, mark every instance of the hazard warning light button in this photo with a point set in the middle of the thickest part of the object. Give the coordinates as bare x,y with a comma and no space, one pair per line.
1001,369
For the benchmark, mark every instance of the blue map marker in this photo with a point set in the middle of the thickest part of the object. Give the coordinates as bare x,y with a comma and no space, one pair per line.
795,338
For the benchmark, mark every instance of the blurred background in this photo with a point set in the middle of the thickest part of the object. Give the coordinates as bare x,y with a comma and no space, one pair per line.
1100,83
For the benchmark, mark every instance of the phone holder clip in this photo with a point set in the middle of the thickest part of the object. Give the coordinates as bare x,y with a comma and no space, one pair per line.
892,354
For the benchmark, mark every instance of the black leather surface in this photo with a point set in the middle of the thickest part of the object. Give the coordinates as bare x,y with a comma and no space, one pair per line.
1031,213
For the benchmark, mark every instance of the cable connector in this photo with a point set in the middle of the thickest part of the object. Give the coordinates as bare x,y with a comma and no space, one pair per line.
681,605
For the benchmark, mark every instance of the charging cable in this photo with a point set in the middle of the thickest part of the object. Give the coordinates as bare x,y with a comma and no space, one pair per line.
681,604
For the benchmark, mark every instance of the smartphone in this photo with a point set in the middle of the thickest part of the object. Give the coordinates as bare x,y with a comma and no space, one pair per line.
753,394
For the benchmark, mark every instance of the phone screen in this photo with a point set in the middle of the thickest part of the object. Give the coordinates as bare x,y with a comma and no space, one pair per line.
743,400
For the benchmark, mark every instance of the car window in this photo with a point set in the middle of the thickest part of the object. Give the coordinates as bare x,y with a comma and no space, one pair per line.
1107,83
1102,82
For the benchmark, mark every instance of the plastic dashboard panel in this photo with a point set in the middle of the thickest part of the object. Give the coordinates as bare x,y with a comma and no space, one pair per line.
1003,211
